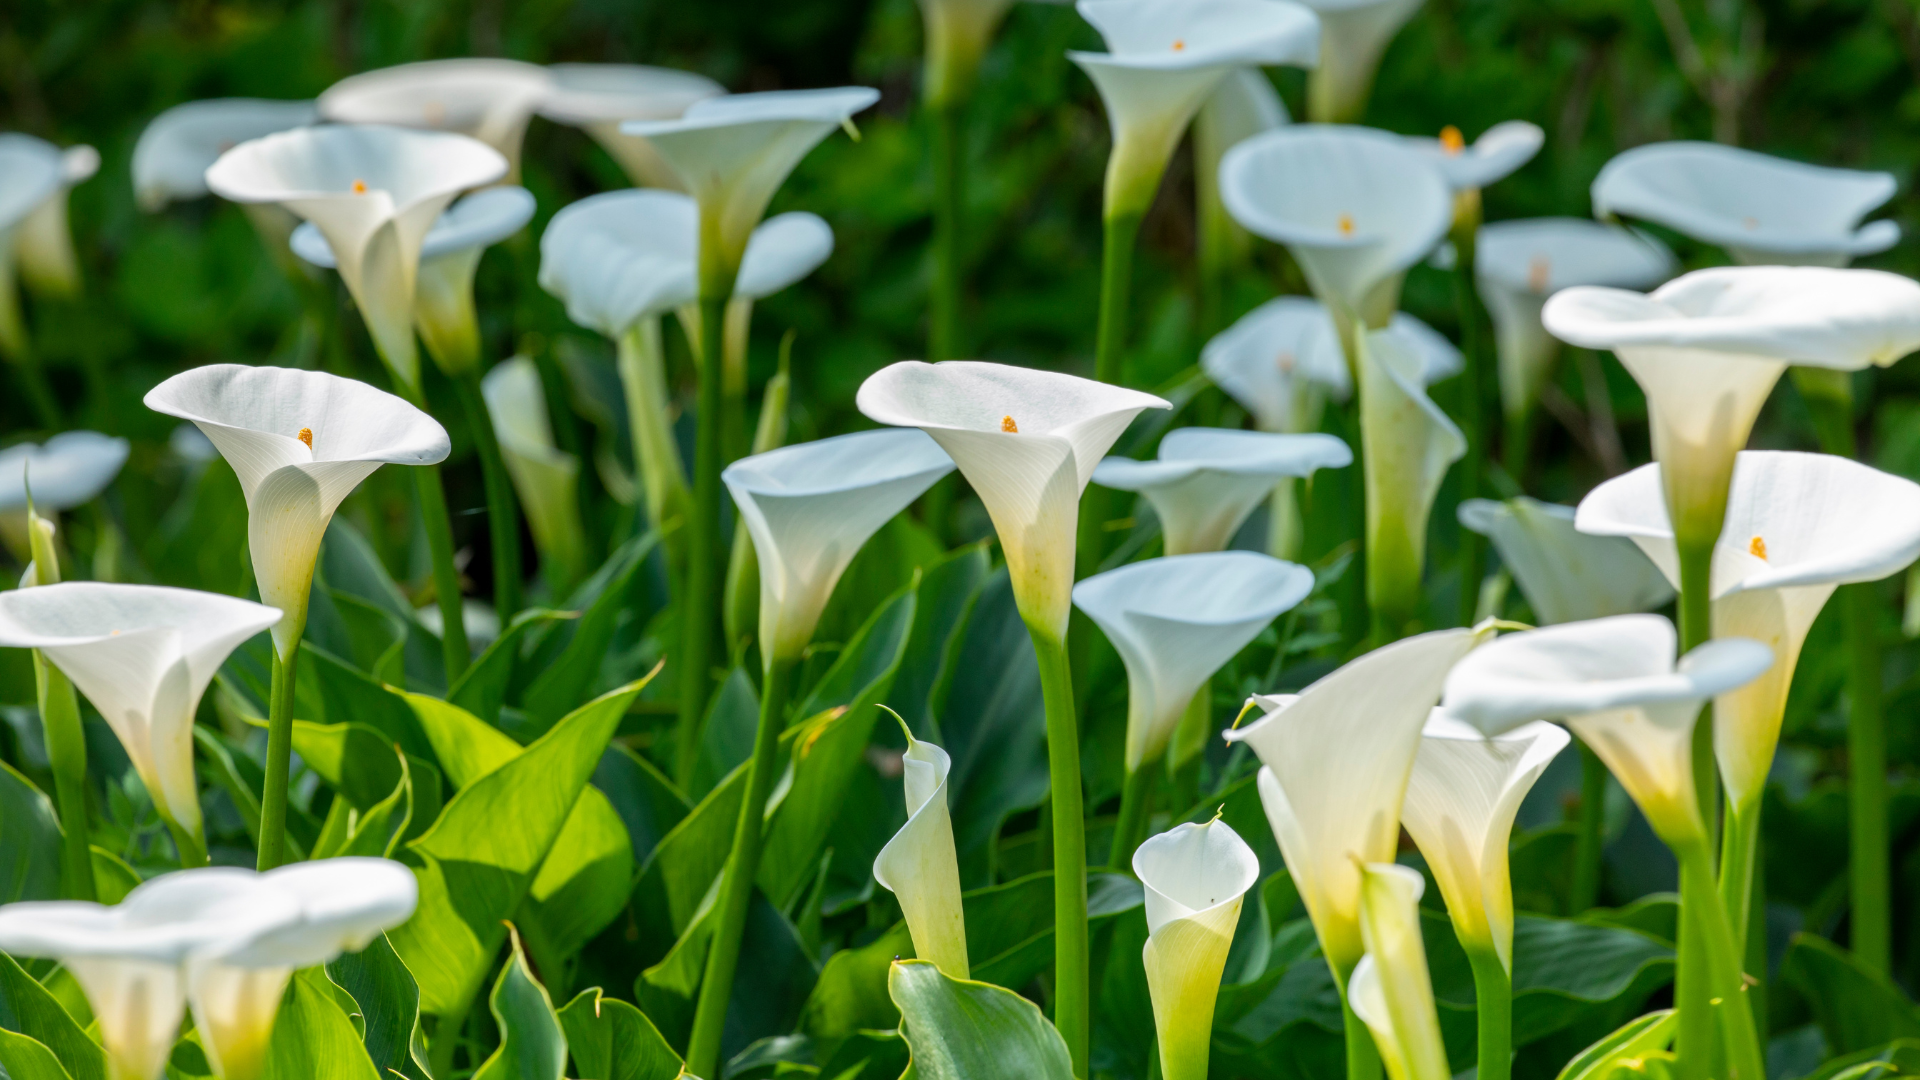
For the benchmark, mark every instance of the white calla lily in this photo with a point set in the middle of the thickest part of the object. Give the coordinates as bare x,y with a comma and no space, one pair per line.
1566,574
483,98
1028,442
919,865
1281,362
31,172
598,98
1207,481
1163,61
177,147
1409,445
1761,208
299,442
44,243
811,507
1336,759
1194,877
1462,798
1498,153
66,471
143,654
1519,264
545,477
1354,34
1708,346
1391,991
374,192
1242,106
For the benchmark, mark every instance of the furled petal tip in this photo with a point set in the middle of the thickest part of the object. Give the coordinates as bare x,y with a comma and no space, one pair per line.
1495,155
919,865
63,472
1566,574
479,220
171,159
1207,481
1151,35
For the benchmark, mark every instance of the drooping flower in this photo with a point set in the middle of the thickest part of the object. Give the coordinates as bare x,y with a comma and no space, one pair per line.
1207,481
1353,36
1565,574
1194,877
919,865
1391,991
1027,441
1409,445
44,243
598,98
483,98
545,477
1499,152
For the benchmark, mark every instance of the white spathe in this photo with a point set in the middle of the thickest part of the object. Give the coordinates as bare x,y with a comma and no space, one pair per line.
31,172
1519,264
1616,682
1391,991
810,508
598,98
1207,481
1194,877
1761,208
919,865
1242,106
299,442
1177,620
177,147
1797,526
1355,206
1708,346
483,98
1566,575
733,152
44,244
1164,58
1335,762
374,192
1462,798
143,654
61,473
1028,442
1498,153
1353,36
545,477
1409,444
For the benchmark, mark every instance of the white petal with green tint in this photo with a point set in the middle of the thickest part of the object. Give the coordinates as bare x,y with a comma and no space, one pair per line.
1280,361
1207,481
177,147
919,865
1195,877
66,471
483,98
1353,36
600,97
1391,991
1410,443
1566,574
43,245
545,477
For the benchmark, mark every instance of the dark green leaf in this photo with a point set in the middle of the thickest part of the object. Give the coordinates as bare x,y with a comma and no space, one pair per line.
28,1009
1856,1007
612,1040
948,589
532,1045
566,679
22,1058
313,1038
961,1030
30,842
483,688
647,801
388,1000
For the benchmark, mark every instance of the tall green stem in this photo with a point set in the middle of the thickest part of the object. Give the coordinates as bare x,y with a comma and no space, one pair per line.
1122,232
1709,925
1739,845
736,889
503,521
1136,807
1071,1012
1870,919
1693,989
1493,1007
943,313
700,599
67,757
1363,1057
446,578
273,795
1473,546
1592,836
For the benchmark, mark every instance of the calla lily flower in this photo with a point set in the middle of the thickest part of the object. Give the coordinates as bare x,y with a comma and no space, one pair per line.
1207,481
31,172
1242,106
143,655
1797,527
1566,575
545,477
1518,264
1028,441
374,192
1336,759
1163,61
1616,682
66,471
44,244
1465,790
810,508
1177,620
1353,36
1281,362
299,442
733,152
1761,208
1708,346
1409,445
1355,206
449,255
919,866
1391,991
488,99
1194,877
176,149
1498,153
598,98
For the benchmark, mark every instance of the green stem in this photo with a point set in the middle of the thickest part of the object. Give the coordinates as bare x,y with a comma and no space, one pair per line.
446,579
1728,991
446,1039
1071,1014
1136,807
67,757
1363,1057
273,795
1473,546
943,314
743,862
1592,837
1739,845
1693,990
1870,918
503,521
1122,231
1493,1005
193,850
700,599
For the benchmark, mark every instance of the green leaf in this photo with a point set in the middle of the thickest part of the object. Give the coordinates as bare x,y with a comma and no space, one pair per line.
1010,927
884,565
612,1040
726,732
30,843
389,1003
348,564
769,1003
583,884
374,833
647,801
466,746
1899,1057
565,680
687,861
532,1045
1636,1038
347,695
964,1030
313,1038
1856,1007
483,688
948,589
355,759
22,1058
851,994
26,1008
113,879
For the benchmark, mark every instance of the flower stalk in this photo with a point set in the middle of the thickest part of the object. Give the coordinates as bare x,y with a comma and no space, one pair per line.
1071,988
272,845
700,599
66,739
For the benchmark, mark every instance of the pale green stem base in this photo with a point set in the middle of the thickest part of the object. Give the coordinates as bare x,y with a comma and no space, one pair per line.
1071,1012
192,849
1363,1057
272,844
503,520
1707,921
67,757
1693,989
1493,1007
700,600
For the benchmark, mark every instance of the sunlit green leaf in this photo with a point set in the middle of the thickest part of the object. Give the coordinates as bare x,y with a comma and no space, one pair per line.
612,1040
532,1044
962,1030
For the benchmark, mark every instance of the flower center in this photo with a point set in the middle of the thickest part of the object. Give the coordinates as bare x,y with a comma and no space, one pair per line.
1451,140
306,436
1179,45
1346,224
359,187
1539,272
1007,425
1285,362
1758,548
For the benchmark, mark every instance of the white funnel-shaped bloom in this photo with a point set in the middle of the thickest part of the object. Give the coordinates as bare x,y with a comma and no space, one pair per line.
176,149
1708,346
1566,575
919,866
1164,59
1175,621
44,243
299,442
66,471
1797,527
546,478
1498,153
1336,760
1410,443
31,172
1391,991
1028,442
374,192
1355,206
1242,106
733,152
1761,208
1281,362
1518,264
484,98
1465,790
1616,683
810,508
1207,481
598,98
1194,877
143,654
1353,36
